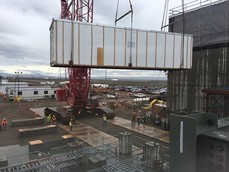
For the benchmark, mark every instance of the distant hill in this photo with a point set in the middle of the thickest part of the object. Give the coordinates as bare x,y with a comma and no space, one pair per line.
23,75
137,78
123,78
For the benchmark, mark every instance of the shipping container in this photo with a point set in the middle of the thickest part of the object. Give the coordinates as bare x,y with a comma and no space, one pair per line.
77,44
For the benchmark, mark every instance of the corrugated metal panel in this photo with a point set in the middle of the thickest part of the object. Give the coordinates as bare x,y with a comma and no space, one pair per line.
89,45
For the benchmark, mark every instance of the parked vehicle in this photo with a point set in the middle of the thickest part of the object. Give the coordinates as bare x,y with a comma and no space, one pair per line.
111,96
139,95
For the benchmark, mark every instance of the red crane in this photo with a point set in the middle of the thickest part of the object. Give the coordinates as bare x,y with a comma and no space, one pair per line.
79,78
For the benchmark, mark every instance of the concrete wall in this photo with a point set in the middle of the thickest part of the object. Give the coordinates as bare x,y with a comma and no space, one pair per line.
210,63
210,69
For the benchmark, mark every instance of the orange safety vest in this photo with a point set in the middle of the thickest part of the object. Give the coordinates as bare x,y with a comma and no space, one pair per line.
4,122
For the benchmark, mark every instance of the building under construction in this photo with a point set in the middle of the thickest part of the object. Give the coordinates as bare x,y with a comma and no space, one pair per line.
204,86
198,140
197,85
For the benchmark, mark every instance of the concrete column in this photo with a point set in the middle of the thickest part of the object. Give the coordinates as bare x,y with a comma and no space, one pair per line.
125,143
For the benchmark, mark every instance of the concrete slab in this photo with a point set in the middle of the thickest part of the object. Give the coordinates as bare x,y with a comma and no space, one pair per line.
91,136
26,122
155,133
94,137
53,146
37,131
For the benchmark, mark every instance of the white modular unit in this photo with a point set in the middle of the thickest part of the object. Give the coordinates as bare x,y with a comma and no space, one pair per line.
76,44
31,93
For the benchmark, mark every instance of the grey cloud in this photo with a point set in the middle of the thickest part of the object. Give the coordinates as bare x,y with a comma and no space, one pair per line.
17,54
24,34
47,7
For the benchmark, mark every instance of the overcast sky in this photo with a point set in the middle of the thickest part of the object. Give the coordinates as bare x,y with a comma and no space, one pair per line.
24,31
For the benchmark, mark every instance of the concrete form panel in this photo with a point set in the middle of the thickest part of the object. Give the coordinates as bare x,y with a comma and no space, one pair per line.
210,64
209,69
76,44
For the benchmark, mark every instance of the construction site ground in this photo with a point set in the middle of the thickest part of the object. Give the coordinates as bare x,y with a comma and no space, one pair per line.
22,110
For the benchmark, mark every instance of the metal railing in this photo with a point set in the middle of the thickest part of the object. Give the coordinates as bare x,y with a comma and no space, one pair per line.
193,5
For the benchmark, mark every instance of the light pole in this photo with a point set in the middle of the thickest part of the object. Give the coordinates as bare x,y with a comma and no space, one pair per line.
18,81
15,87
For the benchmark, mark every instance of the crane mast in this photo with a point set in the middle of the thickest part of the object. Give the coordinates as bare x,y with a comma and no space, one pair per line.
79,78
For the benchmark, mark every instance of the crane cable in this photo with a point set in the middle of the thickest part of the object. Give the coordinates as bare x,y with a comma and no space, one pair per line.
165,15
116,15
131,36
131,27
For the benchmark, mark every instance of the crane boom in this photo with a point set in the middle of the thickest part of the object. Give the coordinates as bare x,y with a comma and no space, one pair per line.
79,78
